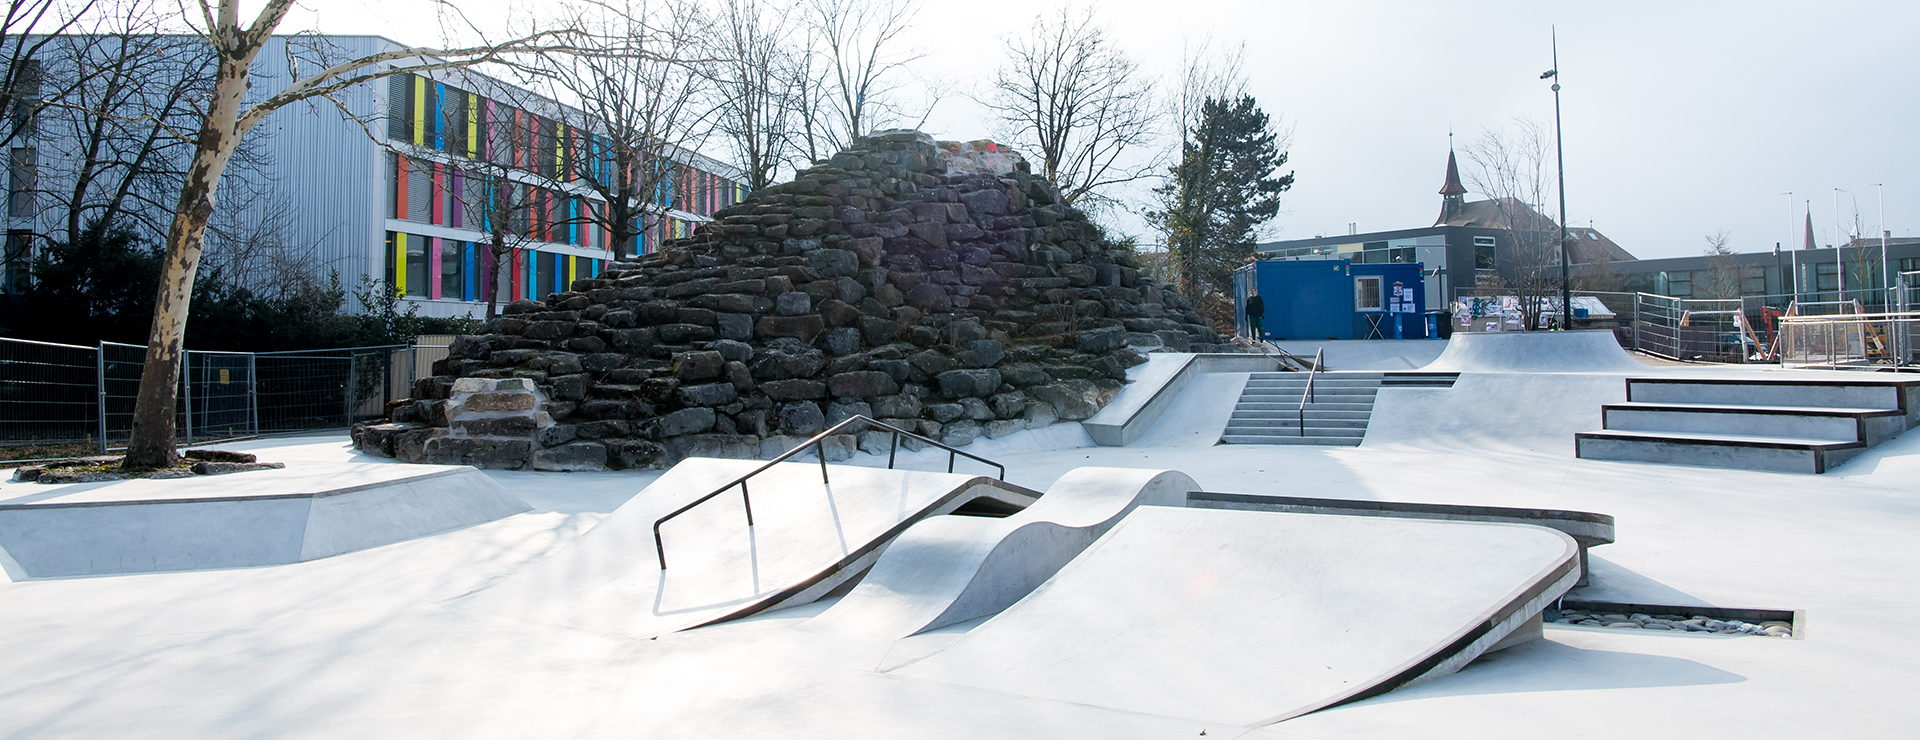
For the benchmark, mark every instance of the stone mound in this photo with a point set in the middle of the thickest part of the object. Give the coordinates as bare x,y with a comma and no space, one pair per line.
939,287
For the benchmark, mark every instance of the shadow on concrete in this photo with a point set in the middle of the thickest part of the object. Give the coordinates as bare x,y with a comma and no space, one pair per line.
1545,665
1611,582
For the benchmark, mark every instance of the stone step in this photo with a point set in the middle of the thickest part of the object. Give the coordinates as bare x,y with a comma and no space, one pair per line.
1312,413
1239,422
1295,406
1261,439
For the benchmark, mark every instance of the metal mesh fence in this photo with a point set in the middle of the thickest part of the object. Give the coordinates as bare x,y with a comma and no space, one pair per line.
62,394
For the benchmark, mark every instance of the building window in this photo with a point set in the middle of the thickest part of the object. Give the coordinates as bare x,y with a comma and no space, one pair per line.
18,276
1680,284
1753,281
1826,276
453,269
1366,293
22,180
1483,254
415,282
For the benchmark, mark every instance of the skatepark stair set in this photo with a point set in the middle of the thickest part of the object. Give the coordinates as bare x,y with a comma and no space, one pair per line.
1270,411
1779,424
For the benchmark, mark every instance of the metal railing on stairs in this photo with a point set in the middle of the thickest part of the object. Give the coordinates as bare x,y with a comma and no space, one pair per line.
1319,359
818,443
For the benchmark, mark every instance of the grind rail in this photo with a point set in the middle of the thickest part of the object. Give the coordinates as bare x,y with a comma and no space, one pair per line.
818,443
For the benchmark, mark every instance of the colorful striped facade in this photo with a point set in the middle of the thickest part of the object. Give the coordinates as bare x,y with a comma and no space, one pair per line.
438,132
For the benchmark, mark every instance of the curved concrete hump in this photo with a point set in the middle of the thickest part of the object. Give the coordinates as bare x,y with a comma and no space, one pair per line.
1583,351
1248,618
808,537
947,570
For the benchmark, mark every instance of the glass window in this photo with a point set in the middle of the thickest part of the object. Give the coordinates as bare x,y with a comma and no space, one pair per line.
21,182
1680,284
18,277
1826,276
1483,253
417,275
1753,280
1366,293
453,269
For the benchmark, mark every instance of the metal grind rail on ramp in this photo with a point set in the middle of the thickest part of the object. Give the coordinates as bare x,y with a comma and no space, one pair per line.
818,443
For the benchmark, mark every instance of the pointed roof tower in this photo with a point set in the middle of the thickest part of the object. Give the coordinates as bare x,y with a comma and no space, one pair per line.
1811,243
1452,194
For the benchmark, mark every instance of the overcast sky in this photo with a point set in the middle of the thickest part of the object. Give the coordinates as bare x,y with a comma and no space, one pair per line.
1682,119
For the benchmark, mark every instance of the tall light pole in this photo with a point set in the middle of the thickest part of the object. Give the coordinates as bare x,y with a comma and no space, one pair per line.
1560,159
1839,268
1794,251
1886,278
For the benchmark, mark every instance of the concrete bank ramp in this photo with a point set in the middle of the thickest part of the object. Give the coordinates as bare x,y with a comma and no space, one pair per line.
1369,354
1584,351
807,538
1249,618
951,569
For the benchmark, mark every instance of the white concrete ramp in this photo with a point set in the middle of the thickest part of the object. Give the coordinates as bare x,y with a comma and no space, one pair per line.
951,569
1248,618
270,517
1583,351
807,538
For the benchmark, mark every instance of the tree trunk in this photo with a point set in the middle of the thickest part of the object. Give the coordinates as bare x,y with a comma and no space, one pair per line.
151,444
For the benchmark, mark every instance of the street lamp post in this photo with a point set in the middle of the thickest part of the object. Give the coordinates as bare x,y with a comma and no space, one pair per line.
1560,160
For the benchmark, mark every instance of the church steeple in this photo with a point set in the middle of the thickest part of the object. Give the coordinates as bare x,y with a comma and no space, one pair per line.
1453,194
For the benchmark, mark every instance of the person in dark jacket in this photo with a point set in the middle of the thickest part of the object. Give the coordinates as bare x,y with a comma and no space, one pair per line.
1256,310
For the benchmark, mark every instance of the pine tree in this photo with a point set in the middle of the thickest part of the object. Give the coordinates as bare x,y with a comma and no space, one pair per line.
1224,187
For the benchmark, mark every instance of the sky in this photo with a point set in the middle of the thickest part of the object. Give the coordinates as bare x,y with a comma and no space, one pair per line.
1681,119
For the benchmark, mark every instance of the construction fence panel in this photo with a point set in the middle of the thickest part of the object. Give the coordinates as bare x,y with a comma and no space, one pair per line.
65,394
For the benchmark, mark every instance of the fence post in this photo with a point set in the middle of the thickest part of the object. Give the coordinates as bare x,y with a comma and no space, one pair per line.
100,388
186,377
253,393
346,391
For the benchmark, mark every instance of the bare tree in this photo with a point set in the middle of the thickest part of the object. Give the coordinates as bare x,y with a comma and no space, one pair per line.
857,42
1077,101
1510,165
646,111
757,77
1723,273
226,118
27,29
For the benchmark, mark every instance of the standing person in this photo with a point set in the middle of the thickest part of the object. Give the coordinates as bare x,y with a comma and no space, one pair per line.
1256,310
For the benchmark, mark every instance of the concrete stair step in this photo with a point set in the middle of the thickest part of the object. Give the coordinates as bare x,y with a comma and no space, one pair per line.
1745,452
1244,423
1838,424
1247,439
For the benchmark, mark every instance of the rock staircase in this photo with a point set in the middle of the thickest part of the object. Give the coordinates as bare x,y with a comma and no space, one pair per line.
1269,409
1785,425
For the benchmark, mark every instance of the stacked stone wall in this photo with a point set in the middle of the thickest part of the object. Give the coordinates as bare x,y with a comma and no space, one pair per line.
939,287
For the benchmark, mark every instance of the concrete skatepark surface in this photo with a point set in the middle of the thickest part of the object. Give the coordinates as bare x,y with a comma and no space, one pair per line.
1586,350
378,643
808,536
1181,612
306,511
946,570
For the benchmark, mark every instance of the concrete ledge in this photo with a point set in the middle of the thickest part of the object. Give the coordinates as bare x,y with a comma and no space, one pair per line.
1586,528
103,534
1747,453
1153,386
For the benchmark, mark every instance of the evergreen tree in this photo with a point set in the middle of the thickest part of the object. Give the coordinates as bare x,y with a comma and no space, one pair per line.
1224,187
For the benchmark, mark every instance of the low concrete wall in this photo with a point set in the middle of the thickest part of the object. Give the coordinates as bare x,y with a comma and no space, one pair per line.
112,537
1156,384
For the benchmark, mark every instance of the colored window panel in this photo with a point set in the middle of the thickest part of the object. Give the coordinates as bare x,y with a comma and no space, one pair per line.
439,116
453,270
390,260
468,290
418,282
419,110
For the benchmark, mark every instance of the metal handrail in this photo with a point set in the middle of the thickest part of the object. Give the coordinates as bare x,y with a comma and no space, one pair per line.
818,442
1319,357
